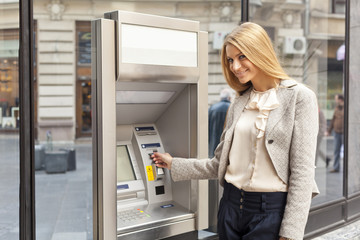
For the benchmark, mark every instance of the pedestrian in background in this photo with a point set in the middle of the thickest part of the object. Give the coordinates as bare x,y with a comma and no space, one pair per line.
337,124
266,156
217,115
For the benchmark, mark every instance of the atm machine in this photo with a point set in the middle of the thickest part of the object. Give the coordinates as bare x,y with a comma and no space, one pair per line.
149,93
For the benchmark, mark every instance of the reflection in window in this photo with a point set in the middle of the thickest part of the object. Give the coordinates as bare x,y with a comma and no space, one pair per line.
338,6
9,122
83,79
9,80
86,107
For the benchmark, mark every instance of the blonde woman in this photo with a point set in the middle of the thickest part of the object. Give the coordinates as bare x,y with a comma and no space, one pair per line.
266,157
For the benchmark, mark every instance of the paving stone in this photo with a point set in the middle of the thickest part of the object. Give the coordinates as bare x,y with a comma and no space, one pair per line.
69,235
348,232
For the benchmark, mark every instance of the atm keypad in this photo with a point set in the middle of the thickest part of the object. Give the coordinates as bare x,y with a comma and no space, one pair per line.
130,215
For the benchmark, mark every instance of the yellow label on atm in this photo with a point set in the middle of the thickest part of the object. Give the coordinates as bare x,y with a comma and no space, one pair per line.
150,173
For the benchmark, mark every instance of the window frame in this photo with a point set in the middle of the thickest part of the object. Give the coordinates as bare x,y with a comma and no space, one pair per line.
26,95
26,100
334,3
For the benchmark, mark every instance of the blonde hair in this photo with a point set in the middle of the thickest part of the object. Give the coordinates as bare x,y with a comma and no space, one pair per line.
253,41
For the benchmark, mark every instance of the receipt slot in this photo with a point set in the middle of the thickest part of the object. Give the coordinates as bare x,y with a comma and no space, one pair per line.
149,95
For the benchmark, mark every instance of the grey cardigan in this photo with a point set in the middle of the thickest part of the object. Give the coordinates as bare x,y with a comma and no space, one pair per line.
290,139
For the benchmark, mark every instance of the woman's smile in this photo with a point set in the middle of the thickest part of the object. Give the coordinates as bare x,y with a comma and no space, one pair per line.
240,74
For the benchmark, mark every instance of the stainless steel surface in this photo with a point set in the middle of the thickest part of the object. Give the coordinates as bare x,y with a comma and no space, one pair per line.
155,215
202,130
181,122
141,72
104,139
150,180
161,231
174,128
159,73
151,20
144,113
193,121
94,40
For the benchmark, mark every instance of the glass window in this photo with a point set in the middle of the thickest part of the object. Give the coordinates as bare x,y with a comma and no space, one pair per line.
83,79
310,51
9,79
338,6
62,101
63,152
9,120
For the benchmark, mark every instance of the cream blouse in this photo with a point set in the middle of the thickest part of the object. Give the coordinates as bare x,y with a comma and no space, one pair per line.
250,167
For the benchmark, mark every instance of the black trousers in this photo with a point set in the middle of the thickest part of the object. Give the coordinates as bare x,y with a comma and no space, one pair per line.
250,215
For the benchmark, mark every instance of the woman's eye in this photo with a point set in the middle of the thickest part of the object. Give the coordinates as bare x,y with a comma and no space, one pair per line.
230,60
242,57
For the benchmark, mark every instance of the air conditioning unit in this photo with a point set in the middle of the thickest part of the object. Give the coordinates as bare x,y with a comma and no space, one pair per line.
294,45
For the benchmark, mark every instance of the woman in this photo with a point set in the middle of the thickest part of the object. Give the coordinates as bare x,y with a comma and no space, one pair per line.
265,159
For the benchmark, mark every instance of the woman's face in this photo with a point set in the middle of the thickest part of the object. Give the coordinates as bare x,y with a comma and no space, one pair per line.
242,68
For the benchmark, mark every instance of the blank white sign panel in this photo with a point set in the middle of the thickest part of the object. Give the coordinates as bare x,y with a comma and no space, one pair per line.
158,46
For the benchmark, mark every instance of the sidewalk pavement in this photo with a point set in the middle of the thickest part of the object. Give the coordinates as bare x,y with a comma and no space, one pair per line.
348,232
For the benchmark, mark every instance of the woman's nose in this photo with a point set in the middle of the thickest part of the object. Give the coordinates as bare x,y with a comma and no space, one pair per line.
236,65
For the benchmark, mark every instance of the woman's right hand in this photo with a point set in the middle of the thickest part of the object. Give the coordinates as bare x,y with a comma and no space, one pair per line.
162,160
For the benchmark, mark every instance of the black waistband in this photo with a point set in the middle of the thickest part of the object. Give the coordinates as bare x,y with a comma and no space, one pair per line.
254,201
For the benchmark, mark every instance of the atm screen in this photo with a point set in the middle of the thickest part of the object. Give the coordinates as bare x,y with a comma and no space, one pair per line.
125,170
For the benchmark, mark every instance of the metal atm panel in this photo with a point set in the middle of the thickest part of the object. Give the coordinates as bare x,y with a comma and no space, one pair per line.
141,106
104,138
127,70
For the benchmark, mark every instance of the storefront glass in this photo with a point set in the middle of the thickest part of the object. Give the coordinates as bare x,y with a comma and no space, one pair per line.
83,78
63,96
63,155
306,34
309,40
9,120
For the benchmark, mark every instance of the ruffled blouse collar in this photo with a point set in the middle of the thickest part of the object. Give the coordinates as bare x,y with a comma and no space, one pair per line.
264,102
